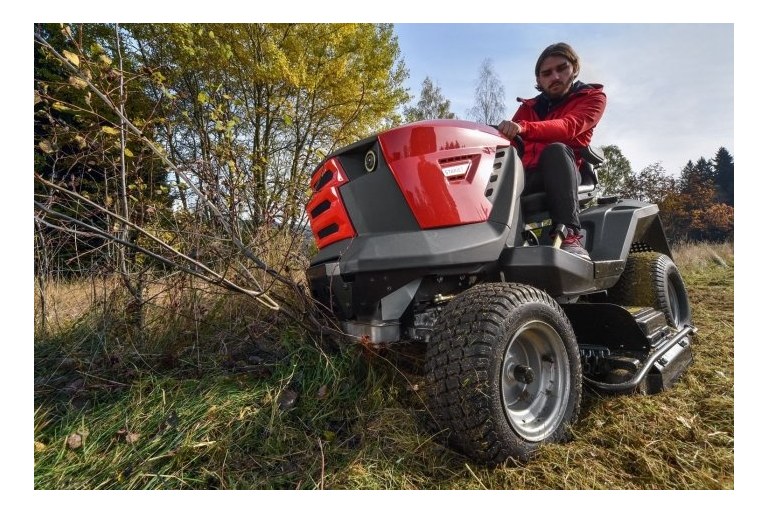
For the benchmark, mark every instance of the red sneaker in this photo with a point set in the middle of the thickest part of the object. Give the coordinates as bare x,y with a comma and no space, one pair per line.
572,244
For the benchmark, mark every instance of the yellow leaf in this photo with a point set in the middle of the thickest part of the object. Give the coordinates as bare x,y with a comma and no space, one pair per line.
38,99
71,57
77,83
45,146
39,447
80,141
61,107
105,60
128,153
109,130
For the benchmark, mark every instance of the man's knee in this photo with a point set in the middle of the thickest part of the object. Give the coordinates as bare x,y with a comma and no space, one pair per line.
557,150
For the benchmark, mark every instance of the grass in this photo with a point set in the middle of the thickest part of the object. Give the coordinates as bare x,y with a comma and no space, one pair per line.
216,394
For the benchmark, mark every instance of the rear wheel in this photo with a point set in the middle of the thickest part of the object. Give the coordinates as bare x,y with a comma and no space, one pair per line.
503,372
652,279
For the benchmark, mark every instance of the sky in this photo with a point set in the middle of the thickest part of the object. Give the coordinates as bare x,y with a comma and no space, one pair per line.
670,87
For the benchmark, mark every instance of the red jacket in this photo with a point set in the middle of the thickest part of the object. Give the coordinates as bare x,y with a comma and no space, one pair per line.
570,121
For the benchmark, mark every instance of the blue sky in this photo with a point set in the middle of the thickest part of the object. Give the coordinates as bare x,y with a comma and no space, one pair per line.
670,87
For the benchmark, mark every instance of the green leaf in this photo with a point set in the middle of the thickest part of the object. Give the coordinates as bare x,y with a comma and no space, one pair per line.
110,130
288,120
45,146
71,57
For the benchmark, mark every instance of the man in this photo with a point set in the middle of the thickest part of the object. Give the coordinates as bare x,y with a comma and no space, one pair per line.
555,126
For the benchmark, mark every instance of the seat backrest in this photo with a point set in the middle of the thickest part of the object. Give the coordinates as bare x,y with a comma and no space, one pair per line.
592,159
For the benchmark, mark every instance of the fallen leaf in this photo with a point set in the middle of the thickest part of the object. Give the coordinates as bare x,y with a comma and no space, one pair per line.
132,437
322,393
74,386
74,441
287,399
39,447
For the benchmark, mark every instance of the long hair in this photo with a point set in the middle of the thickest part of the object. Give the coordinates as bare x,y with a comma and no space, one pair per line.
560,50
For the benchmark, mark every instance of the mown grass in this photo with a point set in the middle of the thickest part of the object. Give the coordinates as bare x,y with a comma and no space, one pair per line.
216,394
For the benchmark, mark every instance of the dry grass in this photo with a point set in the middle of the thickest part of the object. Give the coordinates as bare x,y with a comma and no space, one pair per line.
217,394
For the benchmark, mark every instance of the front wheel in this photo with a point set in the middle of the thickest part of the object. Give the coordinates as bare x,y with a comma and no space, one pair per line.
503,372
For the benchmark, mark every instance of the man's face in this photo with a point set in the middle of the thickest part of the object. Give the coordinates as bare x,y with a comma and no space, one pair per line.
555,76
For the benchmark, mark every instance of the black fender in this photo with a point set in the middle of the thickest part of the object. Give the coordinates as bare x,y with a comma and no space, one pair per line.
614,230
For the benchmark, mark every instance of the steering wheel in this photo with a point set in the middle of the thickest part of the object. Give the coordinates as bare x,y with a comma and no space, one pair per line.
517,140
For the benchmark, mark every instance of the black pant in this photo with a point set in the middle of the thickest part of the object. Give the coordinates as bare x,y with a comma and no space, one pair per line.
556,174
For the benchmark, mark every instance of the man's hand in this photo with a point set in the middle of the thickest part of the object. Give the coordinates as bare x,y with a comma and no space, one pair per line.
509,129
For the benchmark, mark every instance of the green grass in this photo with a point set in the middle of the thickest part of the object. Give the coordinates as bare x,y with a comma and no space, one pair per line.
203,402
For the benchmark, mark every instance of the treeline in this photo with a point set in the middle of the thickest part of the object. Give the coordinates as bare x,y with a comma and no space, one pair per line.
698,204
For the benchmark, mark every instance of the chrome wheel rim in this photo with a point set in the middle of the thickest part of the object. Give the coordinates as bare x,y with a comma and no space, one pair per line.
535,381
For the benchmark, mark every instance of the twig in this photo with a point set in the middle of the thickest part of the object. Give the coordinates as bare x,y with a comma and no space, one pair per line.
474,475
322,463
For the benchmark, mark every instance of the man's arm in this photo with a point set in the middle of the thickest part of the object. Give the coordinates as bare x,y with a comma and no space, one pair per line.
581,118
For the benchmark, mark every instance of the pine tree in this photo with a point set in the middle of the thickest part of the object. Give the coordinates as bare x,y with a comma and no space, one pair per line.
723,164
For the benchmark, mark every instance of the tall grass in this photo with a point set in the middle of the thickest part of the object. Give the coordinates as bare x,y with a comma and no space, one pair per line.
217,394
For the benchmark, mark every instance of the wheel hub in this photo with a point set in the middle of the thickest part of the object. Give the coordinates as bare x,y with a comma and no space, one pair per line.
524,374
535,382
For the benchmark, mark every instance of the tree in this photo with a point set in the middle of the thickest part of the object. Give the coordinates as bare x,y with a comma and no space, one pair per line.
653,184
489,105
431,105
615,173
237,116
723,164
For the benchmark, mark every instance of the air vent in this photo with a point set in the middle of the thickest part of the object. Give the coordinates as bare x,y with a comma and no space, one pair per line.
324,179
317,210
498,163
327,215
640,247
328,230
